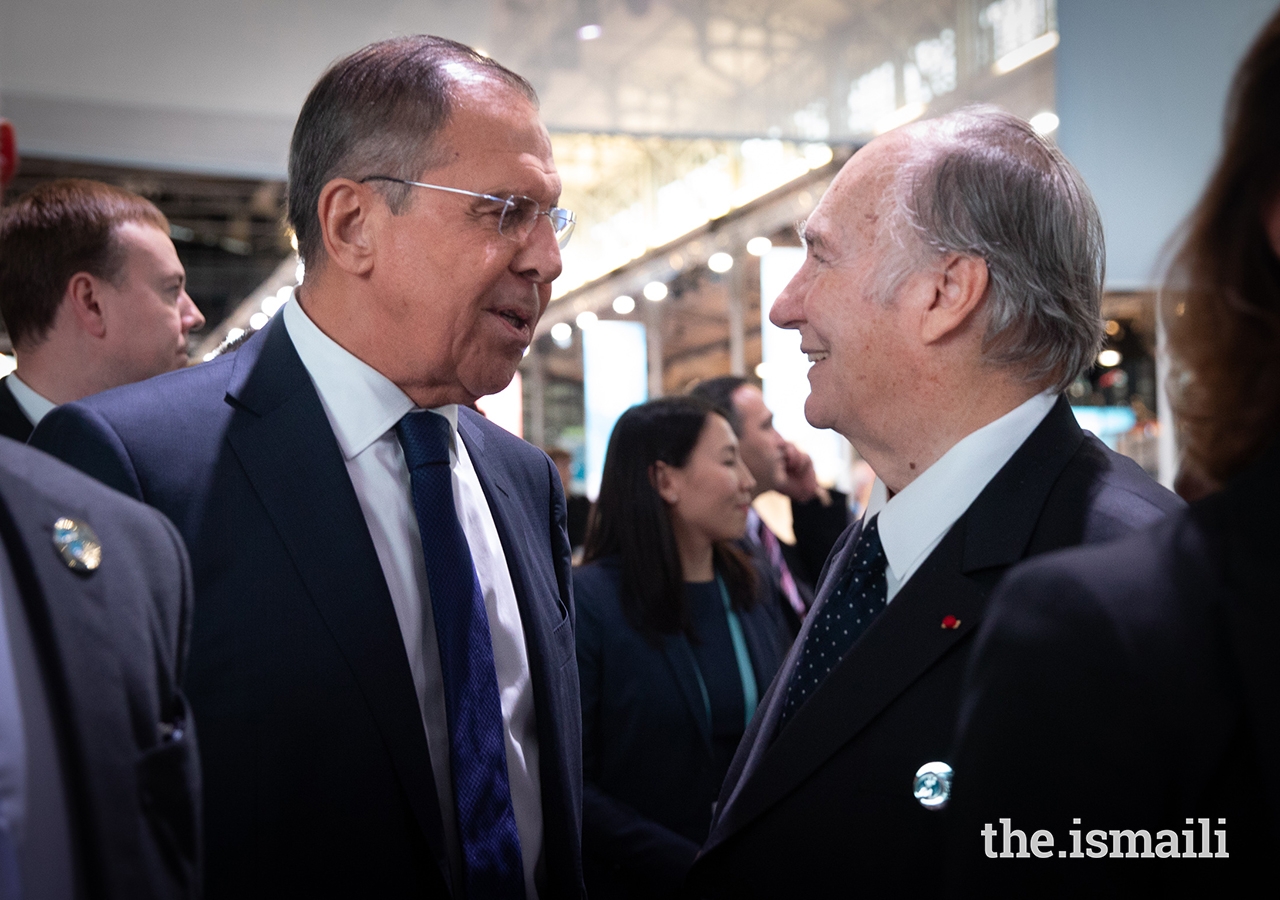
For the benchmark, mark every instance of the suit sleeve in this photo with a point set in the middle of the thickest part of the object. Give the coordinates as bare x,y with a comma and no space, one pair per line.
614,833
80,436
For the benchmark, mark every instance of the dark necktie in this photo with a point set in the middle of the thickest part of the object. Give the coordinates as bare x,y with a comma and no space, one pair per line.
857,600
477,753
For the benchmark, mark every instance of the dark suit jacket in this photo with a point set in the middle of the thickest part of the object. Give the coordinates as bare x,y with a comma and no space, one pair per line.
1130,686
13,421
318,777
110,644
650,774
830,797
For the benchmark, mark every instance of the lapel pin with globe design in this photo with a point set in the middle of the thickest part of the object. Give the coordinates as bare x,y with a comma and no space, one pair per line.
77,544
932,785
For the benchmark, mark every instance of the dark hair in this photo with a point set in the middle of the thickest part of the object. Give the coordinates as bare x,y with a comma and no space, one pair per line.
56,230
630,520
1222,297
719,393
377,112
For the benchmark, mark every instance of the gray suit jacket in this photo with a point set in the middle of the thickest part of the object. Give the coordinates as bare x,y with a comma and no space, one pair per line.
110,645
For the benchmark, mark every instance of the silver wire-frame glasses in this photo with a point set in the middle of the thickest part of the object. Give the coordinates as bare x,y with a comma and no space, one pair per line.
519,213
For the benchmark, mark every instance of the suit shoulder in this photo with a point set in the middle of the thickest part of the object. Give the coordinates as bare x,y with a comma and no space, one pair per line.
595,589
167,398
1112,492
27,473
1130,579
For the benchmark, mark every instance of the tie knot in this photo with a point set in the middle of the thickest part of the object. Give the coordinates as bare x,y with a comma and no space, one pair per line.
424,435
869,551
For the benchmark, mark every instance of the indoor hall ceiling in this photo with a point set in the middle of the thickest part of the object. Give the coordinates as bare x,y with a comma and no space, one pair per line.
215,87
795,69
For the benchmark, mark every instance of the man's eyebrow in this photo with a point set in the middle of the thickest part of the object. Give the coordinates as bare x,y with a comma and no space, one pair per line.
810,237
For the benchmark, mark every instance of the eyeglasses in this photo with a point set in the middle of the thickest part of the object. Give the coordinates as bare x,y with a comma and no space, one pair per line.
517,216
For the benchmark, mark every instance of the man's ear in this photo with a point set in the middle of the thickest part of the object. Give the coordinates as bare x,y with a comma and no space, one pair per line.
958,291
84,297
661,477
344,210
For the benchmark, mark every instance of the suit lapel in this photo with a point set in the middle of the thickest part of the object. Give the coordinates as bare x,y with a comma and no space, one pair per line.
908,637
532,575
284,442
675,647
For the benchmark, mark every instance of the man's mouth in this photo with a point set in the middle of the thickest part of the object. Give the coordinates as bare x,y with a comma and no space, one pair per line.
514,318
816,355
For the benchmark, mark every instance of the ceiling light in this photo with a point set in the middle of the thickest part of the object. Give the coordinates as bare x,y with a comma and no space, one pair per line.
562,333
720,262
762,371
759,246
1026,53
655,291
623,305
1044,123
586,319
1109,358
589,32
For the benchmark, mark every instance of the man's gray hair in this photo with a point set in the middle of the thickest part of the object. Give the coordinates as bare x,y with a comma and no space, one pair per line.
378,111
981,182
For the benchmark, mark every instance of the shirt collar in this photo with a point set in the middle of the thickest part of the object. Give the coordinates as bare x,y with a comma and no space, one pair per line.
362,404
914,519
35,406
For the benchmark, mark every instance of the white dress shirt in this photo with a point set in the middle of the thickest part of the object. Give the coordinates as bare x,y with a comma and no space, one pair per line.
363,407
34,406
914,521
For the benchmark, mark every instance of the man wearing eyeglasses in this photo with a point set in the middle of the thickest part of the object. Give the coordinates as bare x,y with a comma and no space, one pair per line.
382,658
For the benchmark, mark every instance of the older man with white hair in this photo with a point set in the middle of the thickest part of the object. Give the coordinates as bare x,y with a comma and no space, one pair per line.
950,293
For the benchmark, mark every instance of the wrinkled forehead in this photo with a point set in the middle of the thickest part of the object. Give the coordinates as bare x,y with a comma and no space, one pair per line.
857,206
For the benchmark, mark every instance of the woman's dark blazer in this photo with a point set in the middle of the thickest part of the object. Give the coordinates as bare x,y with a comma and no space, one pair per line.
647,753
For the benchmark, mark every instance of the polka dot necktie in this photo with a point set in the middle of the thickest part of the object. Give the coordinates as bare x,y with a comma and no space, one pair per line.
857,600
492,861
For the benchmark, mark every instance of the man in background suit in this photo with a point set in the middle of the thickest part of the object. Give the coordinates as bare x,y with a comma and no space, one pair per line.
92,293
383,656
818,515
950,292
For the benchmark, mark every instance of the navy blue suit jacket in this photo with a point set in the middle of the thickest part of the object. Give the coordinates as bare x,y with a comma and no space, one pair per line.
1130,686
317,772
110,645
831,794
645,812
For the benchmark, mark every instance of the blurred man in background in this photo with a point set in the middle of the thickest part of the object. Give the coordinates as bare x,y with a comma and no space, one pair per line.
818,515
92,293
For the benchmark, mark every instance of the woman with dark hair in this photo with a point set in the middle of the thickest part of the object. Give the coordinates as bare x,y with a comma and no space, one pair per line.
1128,693
674,647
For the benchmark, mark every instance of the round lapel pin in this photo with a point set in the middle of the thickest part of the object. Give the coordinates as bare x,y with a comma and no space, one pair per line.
932,785
77,545
950,623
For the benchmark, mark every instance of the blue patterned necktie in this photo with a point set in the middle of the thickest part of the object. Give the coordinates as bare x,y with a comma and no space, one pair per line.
477,752
859,597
